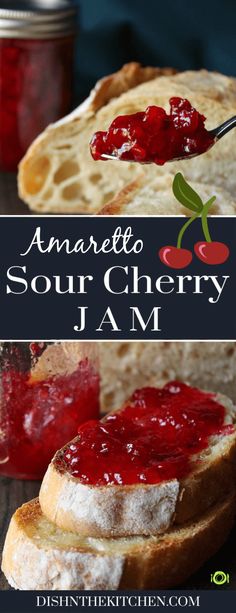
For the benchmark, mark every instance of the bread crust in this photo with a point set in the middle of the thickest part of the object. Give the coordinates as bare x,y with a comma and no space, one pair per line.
128,77
124,197
116,511
33,563
107,511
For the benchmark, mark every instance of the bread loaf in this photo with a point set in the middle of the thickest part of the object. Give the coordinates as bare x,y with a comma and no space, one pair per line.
126,366
58,175
39,556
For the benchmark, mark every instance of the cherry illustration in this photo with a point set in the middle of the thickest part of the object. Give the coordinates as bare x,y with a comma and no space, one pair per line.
208,251
211,252
175,257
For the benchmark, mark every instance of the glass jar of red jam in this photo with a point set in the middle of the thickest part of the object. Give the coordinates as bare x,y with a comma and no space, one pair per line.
46,391
36,70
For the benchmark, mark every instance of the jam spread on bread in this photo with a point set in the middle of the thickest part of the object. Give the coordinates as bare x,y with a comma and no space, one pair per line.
152,439
153,136
39,416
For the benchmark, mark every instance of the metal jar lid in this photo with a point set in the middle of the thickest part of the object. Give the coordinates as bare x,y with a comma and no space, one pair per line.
37,19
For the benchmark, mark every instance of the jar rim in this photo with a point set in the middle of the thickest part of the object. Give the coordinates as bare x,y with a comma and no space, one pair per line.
38,23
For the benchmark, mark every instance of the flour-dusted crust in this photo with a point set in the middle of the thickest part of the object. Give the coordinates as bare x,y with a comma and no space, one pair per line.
29,562
38,556
107,511
58,173
116,511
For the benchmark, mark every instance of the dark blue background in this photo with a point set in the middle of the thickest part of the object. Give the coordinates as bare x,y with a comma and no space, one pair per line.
50,316
215,600
182,34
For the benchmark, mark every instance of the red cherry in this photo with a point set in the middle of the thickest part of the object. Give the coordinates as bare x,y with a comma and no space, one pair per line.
211,253
175,257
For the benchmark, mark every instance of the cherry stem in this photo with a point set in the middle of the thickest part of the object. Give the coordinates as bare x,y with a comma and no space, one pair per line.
184,228
205,226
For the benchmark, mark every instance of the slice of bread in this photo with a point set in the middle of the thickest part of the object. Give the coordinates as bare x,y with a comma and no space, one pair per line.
126,366
155,197
58,174
141,509
39,556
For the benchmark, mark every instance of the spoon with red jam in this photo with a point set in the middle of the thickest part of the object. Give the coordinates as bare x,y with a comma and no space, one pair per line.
153,136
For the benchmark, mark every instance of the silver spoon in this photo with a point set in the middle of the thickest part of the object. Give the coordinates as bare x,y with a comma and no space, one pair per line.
217,133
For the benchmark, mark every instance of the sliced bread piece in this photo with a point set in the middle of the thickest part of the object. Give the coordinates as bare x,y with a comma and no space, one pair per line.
155,197
39,556
58,173
126,366
126,508
51,173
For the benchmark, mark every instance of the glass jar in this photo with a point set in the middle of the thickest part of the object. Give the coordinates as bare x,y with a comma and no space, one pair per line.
47,391
36,70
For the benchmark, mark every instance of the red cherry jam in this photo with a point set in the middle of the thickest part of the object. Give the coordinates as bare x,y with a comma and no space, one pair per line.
154,136
152,439
35,90
38,417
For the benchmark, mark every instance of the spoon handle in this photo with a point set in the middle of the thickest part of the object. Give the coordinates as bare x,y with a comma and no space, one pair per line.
224,128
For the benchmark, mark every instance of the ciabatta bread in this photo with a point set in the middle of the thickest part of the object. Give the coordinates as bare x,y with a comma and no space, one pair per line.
126,366
39,556
141,509
58,174
155,197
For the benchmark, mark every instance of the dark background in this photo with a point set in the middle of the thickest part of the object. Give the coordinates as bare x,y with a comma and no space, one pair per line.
183,316
183,34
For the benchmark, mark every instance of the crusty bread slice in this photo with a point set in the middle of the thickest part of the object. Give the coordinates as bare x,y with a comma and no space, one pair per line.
58,173
39,556
155,197
141,509
126,366
51,173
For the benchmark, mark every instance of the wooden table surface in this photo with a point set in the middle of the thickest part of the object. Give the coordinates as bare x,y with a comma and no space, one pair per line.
10,203
13,493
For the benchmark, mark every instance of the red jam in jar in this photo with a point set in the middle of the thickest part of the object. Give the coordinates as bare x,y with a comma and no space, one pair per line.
36,67
154,136
42,403
152,439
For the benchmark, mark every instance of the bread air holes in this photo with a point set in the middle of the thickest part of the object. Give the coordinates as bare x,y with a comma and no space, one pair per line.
35,174
123,350
68,169
95,178
108,402
48,194
71,192
62,147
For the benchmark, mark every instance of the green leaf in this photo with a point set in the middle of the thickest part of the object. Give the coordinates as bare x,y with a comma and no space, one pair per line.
186,195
